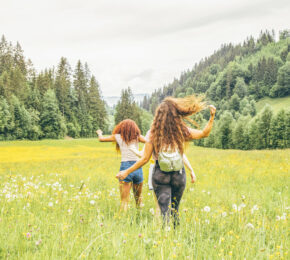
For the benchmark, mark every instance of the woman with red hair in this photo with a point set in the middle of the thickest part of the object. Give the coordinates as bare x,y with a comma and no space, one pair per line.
127,135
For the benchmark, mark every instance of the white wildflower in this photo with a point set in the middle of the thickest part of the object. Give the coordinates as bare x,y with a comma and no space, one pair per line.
92,202
206,209
254,208
241,206
235,207
50,204
250,225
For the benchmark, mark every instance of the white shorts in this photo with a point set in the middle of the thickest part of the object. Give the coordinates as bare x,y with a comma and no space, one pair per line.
151,169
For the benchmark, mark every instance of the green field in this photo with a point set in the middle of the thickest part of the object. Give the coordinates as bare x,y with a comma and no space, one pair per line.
60,200
276,103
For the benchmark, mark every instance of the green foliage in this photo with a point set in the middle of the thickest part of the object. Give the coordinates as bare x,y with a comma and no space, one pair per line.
51,120
26,98
282,87
224,132
234,79
5,119
127,108
278,130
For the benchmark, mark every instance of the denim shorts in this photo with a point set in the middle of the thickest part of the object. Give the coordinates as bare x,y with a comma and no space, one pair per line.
136,176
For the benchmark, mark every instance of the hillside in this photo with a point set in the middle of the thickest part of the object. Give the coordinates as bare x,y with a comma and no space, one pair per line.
240,80
276,103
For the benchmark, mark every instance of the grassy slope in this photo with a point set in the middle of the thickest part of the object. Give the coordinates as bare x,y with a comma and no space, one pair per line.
275,103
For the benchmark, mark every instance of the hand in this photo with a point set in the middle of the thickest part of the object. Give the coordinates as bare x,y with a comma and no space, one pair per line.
99,132
193,177
121,175
212,110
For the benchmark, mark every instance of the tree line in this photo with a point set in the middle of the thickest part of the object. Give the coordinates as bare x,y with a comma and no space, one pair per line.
50,104
234,78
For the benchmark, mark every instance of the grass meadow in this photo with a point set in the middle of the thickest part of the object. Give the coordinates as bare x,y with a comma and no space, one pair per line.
60,200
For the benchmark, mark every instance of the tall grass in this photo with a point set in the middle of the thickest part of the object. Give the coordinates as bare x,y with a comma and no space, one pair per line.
60,200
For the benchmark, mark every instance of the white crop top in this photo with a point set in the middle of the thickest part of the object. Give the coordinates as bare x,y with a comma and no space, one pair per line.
126,153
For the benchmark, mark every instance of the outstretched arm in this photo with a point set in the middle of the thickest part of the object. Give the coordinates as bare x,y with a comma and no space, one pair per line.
198,134
110,138
143,160
188,166
142,139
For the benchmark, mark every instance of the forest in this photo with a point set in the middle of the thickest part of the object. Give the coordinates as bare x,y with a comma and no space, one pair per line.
54,103
234,78
61,101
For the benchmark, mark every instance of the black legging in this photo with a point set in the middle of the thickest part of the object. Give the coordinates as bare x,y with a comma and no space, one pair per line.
168,187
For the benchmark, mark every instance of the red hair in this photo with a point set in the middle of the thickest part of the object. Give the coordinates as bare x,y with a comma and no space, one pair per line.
128,130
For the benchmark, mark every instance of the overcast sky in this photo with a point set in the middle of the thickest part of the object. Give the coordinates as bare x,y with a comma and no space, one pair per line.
143,44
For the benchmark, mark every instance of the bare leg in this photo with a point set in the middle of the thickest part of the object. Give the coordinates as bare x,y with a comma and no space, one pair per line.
125,188
137,190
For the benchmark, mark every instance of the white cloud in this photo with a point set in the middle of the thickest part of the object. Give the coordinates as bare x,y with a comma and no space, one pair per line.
144,44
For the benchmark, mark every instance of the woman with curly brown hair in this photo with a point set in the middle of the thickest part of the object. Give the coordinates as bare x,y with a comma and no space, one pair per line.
127,135
166,142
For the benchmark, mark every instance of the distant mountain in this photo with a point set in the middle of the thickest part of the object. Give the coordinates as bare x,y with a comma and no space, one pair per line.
113,100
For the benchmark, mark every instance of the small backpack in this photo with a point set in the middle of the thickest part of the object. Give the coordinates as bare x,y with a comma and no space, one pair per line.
170,161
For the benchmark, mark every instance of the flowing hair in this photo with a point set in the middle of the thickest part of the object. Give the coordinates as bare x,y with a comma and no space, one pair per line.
128,130
169,130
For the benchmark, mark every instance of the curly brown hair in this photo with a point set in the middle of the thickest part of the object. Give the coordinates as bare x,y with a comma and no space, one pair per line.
168,130
128,130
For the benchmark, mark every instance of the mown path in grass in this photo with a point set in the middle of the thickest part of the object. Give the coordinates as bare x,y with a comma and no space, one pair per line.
60,199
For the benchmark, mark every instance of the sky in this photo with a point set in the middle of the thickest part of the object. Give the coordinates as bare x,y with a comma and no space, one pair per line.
143,44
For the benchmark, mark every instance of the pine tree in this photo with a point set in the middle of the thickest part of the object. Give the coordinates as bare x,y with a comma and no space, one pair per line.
97,107
80,82
5,119
51,121
278,130
264,123
240,87
239,135
21,119
282,88
62,87
127,108
224,136
235,102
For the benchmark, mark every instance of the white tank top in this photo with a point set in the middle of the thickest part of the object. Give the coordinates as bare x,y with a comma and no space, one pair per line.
126,154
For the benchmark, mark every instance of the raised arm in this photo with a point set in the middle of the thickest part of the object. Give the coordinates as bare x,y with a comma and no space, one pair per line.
198,134
143,160
110,138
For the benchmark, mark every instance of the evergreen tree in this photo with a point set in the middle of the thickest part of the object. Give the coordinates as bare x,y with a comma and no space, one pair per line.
278,130
127,108
96,106
5,119
264,123
51,120
282,88
224,136
21,119
235,102
240,87
62,86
